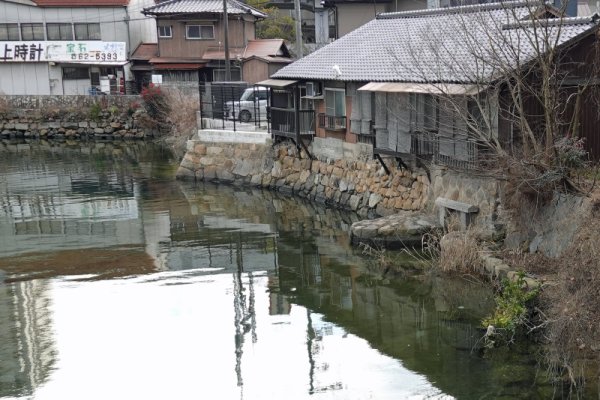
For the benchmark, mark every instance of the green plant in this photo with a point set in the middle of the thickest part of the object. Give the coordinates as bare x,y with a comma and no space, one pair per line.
95,111
511,306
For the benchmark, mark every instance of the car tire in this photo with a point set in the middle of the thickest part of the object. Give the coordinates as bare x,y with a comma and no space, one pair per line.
245,116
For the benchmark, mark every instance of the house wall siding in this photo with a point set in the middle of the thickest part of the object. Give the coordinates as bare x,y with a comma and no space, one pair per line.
179,46
255,71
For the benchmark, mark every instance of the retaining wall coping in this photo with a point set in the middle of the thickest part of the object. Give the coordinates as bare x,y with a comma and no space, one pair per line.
219,136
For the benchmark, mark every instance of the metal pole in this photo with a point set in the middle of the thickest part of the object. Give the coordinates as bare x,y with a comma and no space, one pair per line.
226,42
298,29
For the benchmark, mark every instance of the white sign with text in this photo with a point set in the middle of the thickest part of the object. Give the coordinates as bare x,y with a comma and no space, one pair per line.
71,51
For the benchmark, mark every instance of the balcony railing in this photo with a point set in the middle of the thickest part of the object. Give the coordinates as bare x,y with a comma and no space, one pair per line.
332,123
283,122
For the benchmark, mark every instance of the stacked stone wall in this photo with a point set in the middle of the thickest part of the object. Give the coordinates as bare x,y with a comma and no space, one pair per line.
361,186
72,117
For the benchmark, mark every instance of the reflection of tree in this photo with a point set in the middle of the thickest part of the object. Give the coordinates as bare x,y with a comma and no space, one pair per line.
244,314
27,351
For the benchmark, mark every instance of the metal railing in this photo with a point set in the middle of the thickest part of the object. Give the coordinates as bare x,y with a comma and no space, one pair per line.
454,152
331,122
229,106
283,122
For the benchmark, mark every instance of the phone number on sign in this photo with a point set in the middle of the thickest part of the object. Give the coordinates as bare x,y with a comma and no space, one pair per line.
94,56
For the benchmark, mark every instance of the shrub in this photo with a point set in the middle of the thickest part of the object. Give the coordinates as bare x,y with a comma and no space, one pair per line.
95,112
511,306
155,102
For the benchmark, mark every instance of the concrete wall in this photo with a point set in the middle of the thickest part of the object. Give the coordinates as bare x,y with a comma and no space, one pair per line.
142,29
482,192
351,16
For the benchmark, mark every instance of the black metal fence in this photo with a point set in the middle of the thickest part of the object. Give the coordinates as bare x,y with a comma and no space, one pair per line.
233,106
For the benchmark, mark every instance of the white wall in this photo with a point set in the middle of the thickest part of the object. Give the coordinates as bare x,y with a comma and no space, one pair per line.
24,78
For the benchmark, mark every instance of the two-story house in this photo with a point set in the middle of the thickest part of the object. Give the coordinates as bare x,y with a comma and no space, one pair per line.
63,46
191,43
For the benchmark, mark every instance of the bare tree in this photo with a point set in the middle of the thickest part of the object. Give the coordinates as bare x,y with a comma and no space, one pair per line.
509,79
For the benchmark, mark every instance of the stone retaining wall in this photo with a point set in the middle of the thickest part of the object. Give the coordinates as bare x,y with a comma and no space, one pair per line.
38,102
71,117
361,186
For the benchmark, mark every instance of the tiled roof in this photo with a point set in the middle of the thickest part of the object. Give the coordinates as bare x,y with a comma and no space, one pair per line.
266,47
81,3
202,6
457,44
145,51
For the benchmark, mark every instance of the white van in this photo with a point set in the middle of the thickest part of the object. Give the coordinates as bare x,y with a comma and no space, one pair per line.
254,99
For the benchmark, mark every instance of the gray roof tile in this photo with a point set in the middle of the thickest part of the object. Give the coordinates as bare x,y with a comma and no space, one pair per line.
201,6
466,44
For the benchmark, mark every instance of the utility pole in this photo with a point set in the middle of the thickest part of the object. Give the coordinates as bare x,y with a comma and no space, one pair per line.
298,29
226,42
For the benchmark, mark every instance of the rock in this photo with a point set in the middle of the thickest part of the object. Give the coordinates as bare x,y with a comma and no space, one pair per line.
374,199
21,127
115,125
397,230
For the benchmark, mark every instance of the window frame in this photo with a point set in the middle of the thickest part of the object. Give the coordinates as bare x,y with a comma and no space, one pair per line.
7,26
200,26
220,72
33,25
87,25
336,92
69,73
60,31
164,27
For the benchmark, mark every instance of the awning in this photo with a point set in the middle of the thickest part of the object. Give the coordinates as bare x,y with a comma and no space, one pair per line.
143,67
94,63
429,88
276,83
177,66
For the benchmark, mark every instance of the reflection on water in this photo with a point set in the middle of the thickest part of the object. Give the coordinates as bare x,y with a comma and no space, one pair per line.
122,284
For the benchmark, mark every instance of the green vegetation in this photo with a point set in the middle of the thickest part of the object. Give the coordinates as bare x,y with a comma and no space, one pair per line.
95,111
511,306
277,25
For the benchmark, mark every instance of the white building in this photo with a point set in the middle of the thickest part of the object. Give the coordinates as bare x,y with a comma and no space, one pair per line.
69,46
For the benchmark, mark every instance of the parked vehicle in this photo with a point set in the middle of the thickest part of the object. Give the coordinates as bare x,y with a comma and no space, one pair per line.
252,101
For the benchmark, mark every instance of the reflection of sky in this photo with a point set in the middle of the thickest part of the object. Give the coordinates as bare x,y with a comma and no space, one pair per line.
171,335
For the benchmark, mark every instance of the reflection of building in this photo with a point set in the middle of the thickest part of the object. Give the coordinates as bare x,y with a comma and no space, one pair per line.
27,351
51,208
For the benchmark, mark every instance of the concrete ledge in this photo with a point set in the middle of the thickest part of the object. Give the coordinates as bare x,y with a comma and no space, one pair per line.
217,136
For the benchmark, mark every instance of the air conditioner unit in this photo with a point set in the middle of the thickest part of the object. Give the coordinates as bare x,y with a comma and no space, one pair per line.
312,89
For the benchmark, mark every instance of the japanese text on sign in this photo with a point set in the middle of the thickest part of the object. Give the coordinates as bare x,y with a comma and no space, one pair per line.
64,51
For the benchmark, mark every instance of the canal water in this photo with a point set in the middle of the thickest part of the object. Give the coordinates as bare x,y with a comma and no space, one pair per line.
122,283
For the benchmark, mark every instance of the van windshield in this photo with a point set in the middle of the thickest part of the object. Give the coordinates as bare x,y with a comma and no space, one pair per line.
247,95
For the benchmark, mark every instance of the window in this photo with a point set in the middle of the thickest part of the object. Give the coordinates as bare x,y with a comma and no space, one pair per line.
165,31
76,73
219,75
59,31
87,31
9,32
199,32
335,102
32,31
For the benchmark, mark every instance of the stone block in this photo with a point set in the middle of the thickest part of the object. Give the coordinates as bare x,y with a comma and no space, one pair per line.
83,124
21,127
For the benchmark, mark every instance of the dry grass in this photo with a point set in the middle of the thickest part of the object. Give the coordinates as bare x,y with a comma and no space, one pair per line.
572,305
459,252
181,118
